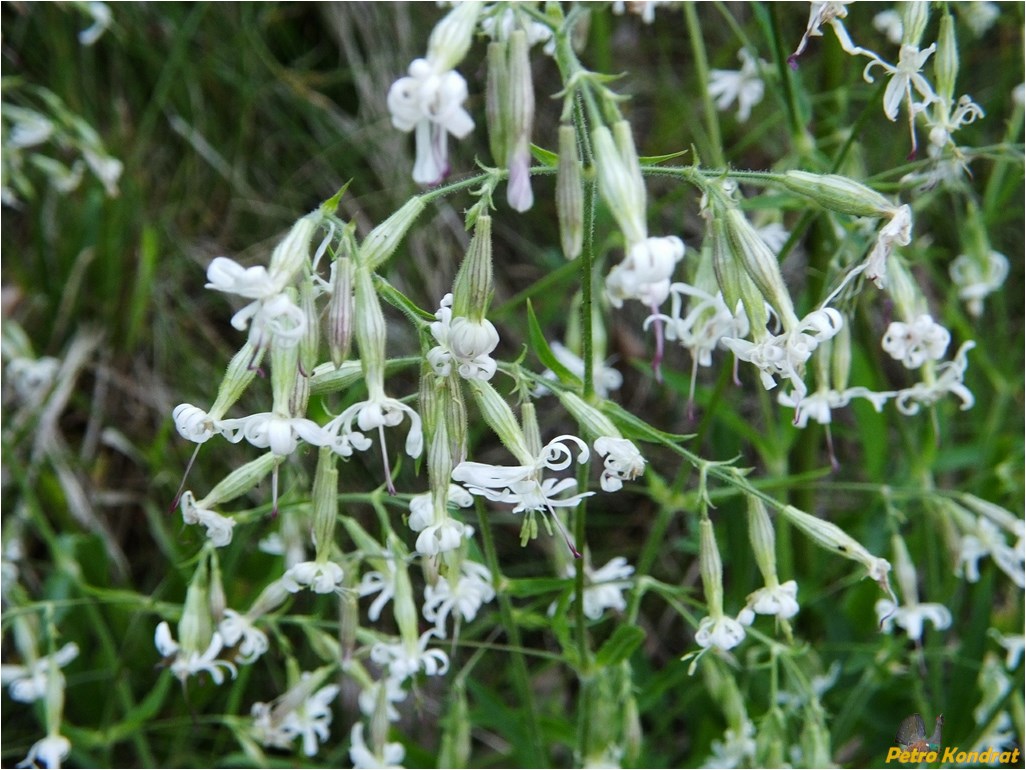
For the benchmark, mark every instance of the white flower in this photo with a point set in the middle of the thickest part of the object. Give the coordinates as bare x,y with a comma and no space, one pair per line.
469,342
737,749
186,663
911,616
522,485
605,378
33,377
917,342
643,8
239,629
376,413
272,313
311,720
890,24
897,232
28,683
785,355
499,26
380,583
322,577
1014,645
707,322
28,128
394,693
403,660
987,539
51,751
975,280
948,379
821,13
779,600
270,430
623,462
429,102
979,16
193,424
721,632
390,755
473,588
604,586
439,533
645,273
905,77
743,86
219,528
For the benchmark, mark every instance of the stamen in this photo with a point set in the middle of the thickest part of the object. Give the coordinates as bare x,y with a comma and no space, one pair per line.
566,535
274,493
657,360
384,461
836,466
181,487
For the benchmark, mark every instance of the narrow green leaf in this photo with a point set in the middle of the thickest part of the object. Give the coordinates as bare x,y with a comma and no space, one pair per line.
620,646
397,299
639,429
545,157
655,160
541,349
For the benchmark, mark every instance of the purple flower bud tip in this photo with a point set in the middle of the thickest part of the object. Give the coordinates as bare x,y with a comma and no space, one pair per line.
911,156
792,62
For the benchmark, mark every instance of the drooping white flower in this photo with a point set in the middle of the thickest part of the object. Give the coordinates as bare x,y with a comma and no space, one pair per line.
821,13
622,462
785,355
271,430
911,617
322,577
948,378
381,583
737,749
1014,645
429,102
404,660
780,600
820,404
896,232
311,720
28,683
743,86
438,533
238,629
987,539
976,279
890,24
194,424
906,77
299,713
523,485
219,528
645,272
271,313
721,632
604,587
467,342
390,755
473,588
499,25
374,414
917,342
367,700
187,663
51,751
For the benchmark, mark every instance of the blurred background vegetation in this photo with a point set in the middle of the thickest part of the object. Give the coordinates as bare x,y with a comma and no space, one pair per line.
231,120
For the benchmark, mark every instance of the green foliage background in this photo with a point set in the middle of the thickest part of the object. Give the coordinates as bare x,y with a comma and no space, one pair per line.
234,119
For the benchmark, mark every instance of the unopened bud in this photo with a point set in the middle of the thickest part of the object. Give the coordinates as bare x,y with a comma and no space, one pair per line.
734,282
913,23
532,431
196,627
340,310
908,297
501,420
452,36
284,370
521,121
834,539
711,568
497,102
370,329
218,601
384,239
760,263
569,194
593,423
473,287
760,532
618,186
403,605
840,357
839,193
325,503
292,254
239,481
241,371
945,64
455,747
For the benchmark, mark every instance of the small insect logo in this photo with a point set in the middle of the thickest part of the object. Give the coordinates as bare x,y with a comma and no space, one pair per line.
912,734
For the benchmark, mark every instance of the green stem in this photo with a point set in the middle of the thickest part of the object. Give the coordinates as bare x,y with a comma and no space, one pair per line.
535,751
712,120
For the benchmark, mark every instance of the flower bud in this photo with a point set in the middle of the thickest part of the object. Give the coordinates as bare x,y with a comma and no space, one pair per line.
501,420
913,23
532,431
309,344
839,193
711,568
520,94
239,481
455,748
196,626
734,282
593,423
241,371
569,194
760,263
284,371
218,601
325,503
840,357
370,329
473,287
329,379
618,186
384,239
834,539
624,137
945,64
760,532
497,102
403,605
292,254
452,36
340,310
908,297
